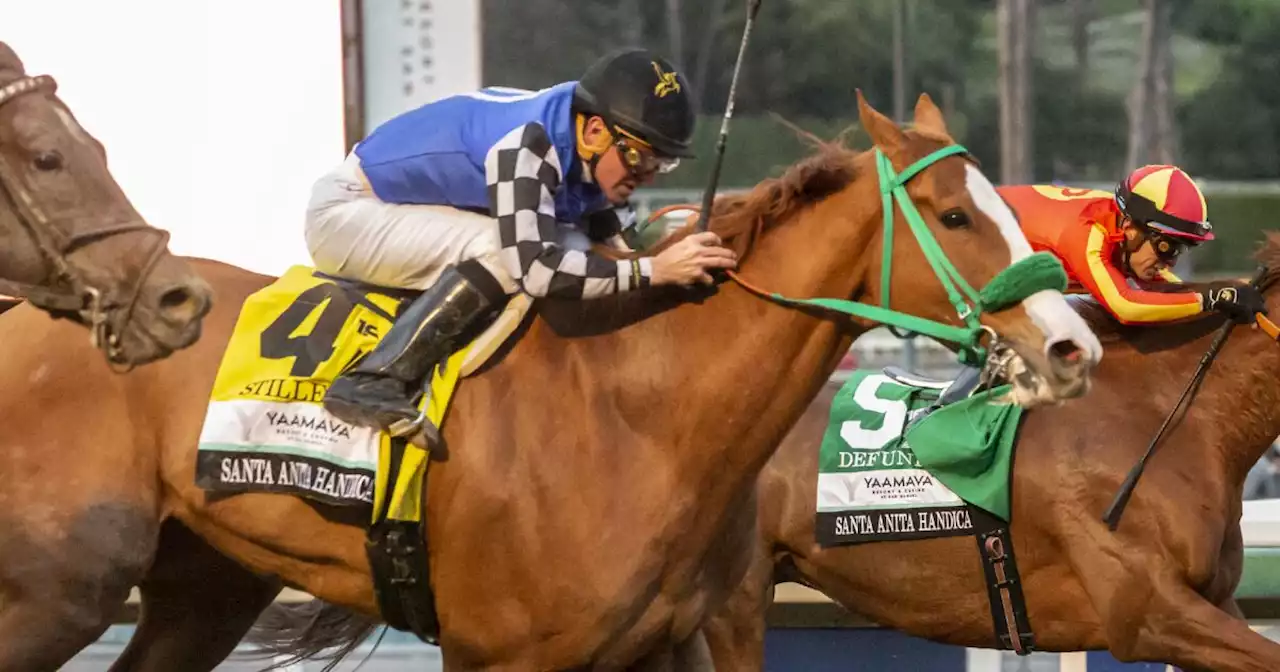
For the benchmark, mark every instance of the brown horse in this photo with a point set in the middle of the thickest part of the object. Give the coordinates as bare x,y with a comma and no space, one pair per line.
1160,588
584,528
70,241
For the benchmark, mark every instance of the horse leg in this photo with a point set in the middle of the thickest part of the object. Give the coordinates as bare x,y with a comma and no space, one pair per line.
196,606
1232,609
694,654
735,634
1180,627
64,579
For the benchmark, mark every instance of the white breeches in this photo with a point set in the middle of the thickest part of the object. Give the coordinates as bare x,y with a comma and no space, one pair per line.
351,234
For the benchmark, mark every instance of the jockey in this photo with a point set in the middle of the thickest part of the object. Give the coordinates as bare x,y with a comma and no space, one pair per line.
1121,248
473,198
1104,242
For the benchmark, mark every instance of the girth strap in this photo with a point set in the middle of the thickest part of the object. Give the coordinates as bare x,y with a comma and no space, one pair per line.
399,565
1004,587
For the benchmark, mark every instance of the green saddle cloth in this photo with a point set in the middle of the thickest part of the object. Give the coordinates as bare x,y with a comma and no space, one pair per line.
966,446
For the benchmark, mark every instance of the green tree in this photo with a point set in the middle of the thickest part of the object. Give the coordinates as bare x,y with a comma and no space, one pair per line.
1231,130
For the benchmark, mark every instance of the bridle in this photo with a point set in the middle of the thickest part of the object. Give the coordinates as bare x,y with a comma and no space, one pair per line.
67,294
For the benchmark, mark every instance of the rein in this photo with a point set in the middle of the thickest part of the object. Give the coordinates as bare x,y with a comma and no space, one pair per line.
69,293
1044,271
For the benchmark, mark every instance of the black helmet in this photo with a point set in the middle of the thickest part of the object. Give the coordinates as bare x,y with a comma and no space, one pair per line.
644,95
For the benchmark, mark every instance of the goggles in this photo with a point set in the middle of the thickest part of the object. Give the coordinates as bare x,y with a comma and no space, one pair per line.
1167,248
639,157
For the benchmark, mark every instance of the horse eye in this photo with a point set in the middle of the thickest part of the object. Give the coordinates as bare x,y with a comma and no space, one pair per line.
48,161
955,219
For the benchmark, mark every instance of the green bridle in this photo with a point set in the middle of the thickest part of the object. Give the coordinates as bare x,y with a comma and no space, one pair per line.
1035,273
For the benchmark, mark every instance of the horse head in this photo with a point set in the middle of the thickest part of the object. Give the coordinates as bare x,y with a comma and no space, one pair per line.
70,241
948,233
1049,349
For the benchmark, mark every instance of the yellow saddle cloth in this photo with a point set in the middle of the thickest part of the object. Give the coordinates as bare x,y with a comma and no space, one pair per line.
266,429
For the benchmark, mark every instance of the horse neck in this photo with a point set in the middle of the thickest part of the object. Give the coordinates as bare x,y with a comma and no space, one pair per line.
1237,410
742,368
1249,407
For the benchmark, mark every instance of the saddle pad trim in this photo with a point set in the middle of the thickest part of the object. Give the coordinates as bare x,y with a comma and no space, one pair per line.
406,496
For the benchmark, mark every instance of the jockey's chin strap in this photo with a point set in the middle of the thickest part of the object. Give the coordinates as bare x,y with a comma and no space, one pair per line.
67,292
1044,271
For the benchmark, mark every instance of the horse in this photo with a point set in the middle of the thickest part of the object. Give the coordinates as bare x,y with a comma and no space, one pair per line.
70,241
1160,588
579,529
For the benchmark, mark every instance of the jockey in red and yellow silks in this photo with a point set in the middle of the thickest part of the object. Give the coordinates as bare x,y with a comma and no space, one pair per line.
1106,240
1121,248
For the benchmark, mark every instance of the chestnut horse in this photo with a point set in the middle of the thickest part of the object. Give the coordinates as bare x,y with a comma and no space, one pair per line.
1160,588
581,528
70,241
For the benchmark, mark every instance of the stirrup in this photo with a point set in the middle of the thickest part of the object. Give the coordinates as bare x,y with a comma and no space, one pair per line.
966,384
418,431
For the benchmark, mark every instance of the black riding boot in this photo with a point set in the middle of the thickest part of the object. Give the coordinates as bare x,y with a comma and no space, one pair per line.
378,391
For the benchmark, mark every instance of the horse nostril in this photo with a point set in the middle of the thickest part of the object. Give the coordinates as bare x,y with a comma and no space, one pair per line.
1066,351
183,303
174,298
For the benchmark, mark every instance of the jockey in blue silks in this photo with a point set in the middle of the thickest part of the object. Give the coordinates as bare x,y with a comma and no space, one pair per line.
465,198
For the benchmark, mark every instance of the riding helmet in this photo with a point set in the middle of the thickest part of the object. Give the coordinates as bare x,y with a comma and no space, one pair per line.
644,95
1166,200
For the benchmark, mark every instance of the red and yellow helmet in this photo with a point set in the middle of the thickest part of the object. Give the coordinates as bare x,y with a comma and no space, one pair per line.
1165,199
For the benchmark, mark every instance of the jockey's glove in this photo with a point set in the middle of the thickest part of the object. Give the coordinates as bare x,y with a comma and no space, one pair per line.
1240,302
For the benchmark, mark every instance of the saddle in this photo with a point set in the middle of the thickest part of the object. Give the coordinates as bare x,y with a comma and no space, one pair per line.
266,429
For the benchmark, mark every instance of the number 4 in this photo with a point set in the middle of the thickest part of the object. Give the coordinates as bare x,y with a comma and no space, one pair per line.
313,349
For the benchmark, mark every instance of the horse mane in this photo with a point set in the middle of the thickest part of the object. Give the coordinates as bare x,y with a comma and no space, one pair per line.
740,218
1268,255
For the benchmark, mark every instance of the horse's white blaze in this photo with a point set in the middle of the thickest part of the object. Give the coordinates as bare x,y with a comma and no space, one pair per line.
76,130
1048,309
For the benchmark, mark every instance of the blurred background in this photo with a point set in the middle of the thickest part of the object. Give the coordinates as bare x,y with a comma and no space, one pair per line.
217,117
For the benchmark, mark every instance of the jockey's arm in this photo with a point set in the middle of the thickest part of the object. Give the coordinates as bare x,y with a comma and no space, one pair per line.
1128,304
523,174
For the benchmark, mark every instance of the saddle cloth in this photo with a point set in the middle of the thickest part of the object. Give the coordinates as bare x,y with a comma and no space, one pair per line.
888,469
266,430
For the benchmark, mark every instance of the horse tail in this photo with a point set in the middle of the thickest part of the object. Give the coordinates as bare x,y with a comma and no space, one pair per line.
312,630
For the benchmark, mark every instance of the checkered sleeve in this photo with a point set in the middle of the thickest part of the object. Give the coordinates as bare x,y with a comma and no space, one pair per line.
523,173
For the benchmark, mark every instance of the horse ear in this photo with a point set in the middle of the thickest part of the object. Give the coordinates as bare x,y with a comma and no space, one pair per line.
9,60
929,117
884,133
